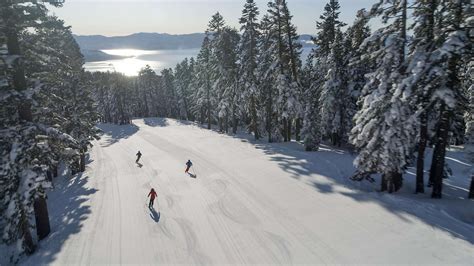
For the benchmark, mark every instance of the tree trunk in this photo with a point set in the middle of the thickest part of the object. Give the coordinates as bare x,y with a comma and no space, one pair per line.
383,185
420,162
334,139
471,190
288,127
42,218
269,127
28,243
75,167
208,106
82,164
49,175
397,180
433,164
226,124
285,130
268,108
254,125
234,123
443,130
55,170
298,129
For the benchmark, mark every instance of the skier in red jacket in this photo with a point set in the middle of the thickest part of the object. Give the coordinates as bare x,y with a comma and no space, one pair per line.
152,196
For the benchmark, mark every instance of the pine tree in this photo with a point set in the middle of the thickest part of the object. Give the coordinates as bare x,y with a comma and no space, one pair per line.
266,69
248,54
72,110
225,77
425,42
447,61
148,90
283,35
170,99
202,81
294,54
469,118
327,80
182,73
355,67
384,128
327,27
333,93
28,147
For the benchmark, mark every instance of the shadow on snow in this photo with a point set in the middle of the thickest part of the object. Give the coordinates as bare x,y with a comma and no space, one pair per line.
164,122
155,216
68,208
453,214
114,133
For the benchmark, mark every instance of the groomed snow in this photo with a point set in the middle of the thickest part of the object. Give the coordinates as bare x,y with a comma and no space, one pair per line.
251,203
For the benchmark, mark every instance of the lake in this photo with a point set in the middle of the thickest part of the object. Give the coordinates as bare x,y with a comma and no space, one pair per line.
137,59
156,59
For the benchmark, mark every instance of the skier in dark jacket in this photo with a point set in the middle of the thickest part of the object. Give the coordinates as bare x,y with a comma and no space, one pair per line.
139,155
152,196
188,165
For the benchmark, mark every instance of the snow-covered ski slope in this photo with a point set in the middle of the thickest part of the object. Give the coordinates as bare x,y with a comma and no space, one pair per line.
251,203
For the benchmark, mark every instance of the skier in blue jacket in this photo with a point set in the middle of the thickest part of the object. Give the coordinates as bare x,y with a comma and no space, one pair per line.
188,165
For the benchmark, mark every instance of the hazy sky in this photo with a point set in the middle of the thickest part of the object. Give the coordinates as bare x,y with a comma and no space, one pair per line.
123,17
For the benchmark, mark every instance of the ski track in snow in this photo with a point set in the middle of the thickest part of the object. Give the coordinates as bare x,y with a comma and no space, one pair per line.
243,208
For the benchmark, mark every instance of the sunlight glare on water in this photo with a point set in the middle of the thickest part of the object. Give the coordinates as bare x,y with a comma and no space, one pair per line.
138,59
131,66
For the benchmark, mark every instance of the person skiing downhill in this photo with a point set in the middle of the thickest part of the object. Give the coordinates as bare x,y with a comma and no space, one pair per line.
139,155
152,196
188,165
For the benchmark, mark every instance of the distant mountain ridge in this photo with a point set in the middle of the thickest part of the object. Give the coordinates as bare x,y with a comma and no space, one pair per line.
142,41
151,41
97,55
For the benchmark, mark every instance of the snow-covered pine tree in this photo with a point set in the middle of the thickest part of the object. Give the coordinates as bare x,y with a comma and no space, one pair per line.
447,60
248,54
26,144
182,73
170,99
56,60
202,82
191,89
152,99
114,97
425,41
311,122
384,129
294,60
312,118
102,96
213,95
225,85
469,118
328,27
266,69
286,65
333,94
355,67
